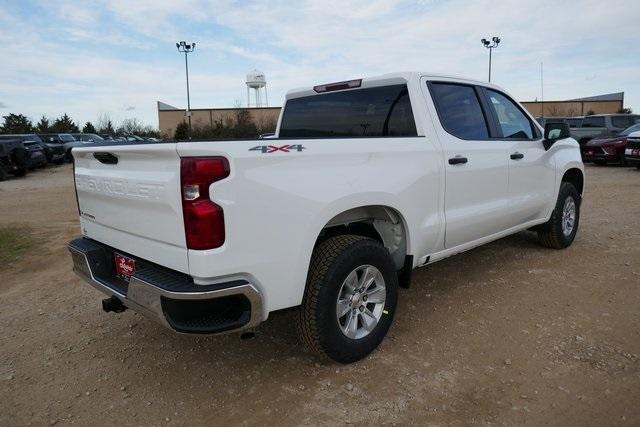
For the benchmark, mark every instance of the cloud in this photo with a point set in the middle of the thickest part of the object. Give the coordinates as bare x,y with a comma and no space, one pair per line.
90,57
3,105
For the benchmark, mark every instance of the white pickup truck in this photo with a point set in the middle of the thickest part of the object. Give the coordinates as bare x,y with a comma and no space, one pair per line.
364,181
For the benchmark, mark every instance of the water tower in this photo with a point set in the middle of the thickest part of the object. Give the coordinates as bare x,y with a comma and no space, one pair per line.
256,82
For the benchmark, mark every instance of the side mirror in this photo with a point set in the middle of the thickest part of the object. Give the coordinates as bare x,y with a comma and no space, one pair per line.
554,132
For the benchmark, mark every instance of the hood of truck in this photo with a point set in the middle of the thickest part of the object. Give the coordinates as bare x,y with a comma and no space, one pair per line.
129,198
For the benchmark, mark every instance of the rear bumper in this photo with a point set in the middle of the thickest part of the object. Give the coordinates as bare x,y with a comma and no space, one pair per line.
36,158
632,161
168,296
600,157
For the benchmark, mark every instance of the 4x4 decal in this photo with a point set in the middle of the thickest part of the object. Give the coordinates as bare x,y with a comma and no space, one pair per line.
265,149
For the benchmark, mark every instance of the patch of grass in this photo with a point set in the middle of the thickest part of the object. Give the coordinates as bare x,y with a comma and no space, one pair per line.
14,242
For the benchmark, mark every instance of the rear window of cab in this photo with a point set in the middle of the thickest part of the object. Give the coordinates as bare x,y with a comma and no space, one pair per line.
360,113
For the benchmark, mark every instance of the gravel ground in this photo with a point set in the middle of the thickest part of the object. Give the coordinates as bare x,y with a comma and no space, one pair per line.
508,333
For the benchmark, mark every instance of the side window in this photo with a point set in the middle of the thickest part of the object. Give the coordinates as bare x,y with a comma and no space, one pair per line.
512,121
593,122
623,121
459,110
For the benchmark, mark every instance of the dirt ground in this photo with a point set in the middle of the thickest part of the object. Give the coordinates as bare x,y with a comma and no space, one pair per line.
508,333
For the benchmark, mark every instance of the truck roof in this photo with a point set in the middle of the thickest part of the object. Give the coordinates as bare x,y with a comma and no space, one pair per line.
393,78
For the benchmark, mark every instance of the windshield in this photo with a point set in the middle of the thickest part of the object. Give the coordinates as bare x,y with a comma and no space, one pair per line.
627,131
67,138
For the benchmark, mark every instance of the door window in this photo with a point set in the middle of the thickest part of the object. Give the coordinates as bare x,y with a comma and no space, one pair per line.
511,120
459,110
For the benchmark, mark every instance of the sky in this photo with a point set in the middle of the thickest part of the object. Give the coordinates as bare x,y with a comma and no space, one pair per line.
118,57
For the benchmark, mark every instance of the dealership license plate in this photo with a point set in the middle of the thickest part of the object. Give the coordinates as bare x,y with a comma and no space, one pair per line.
628,151
125,266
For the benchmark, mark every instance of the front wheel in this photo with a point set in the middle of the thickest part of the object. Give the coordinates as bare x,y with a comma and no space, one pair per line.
350,298
560,231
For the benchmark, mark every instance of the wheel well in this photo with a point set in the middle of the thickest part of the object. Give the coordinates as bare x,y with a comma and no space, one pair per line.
381,223
574,176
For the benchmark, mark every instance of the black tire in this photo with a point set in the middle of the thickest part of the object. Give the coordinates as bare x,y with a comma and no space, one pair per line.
22,171
332,261
623,160
68,157
3,172
550,234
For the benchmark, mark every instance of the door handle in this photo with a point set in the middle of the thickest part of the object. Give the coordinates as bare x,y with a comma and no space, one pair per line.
517,156
457,160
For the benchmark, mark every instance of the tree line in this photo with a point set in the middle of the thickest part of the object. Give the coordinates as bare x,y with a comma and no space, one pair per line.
19,124
238,126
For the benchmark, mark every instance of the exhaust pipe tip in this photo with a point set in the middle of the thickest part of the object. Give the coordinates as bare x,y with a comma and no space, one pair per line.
113,304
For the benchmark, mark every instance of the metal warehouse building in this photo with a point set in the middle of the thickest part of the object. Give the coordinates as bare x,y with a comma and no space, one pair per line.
600,104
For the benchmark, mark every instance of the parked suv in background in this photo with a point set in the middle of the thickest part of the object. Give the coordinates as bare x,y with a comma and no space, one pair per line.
573,122
608,150
34,150
65,139
13,158
53,152
632,152
603,125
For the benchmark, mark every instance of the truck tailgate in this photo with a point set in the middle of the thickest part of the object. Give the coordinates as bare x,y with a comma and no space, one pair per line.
129,198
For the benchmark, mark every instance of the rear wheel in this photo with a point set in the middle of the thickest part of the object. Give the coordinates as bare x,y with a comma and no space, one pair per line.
623,160
560,231
350,298
3,172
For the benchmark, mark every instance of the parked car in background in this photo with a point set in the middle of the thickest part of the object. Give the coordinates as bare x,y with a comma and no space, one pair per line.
632,151
13,158
54,153
87,137
134,138
608,150
603,125
65,139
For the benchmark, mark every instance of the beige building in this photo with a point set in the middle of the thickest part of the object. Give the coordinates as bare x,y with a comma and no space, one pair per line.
169,117
601,104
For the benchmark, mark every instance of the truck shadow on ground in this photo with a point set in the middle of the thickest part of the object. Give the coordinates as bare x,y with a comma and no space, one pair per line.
276,340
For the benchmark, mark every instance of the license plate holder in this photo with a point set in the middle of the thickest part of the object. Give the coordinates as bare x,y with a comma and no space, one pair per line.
125,266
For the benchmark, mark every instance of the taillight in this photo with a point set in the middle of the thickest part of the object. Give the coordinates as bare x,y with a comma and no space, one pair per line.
203,219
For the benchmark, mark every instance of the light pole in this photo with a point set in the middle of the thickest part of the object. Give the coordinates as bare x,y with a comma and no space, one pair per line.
489,45
187,48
